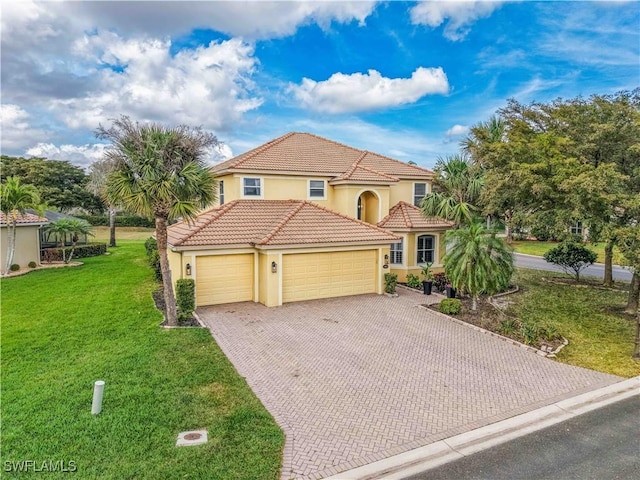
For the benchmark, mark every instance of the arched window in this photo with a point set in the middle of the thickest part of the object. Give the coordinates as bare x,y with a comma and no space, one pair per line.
426,249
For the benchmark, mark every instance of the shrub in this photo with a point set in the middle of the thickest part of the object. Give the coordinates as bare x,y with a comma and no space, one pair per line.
390,282
32,264
413,281
121,221
185,298
15,267
150,244
450,306
80,251
154,262
440,281
571,257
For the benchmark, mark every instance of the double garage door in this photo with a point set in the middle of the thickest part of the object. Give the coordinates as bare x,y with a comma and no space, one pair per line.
308,276
305,276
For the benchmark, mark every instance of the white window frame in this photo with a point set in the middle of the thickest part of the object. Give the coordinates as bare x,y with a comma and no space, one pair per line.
400,251
577,228
324,190
260,187
426,191
433,249
221,191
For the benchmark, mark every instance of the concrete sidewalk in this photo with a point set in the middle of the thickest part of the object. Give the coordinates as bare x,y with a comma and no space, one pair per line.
453,448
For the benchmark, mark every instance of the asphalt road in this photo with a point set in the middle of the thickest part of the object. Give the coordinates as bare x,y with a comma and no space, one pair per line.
602,444
595,270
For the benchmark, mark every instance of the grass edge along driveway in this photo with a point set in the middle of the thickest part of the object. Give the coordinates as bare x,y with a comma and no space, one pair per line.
62,329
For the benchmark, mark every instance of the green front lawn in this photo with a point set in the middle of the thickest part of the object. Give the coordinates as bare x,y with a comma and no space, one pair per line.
534,247
64,328
600,335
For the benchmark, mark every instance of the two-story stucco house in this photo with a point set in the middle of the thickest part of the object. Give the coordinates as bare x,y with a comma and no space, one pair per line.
303,217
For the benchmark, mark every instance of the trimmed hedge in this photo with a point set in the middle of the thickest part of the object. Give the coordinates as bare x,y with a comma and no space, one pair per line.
185,298
80,251
121,221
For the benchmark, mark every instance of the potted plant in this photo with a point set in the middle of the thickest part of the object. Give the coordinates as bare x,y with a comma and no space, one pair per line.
427,283
451,292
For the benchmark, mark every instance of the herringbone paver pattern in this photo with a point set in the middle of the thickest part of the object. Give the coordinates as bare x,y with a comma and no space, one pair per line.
356,379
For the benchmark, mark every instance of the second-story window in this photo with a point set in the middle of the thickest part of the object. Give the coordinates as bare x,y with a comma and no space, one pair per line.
419,191
251,187
221,191
316,189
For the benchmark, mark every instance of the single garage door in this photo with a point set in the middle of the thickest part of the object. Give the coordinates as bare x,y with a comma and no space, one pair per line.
224,279
308,276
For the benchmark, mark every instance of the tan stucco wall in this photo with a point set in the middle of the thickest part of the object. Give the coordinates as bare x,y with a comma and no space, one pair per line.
175,265
403,191
269,282
27,246
409,264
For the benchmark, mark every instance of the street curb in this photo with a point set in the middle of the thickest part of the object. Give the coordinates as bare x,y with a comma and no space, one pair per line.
459,446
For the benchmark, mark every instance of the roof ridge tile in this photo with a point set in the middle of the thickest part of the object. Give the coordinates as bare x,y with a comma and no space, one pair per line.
261,149
219,211
284,220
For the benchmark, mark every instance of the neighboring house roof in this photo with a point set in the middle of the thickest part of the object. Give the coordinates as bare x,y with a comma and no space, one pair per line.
404,216
26,219
53,216
305,153
274,222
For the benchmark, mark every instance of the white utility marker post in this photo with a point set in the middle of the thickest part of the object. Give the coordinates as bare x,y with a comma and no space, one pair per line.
98,390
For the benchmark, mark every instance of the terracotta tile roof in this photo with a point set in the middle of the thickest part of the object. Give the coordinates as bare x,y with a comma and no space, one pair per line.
404,216
274,222
27,218
311,154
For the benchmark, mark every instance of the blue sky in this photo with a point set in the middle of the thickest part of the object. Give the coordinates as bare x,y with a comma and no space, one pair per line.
405,79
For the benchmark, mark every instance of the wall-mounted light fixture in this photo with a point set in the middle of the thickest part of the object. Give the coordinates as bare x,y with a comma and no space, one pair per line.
188,268
386,262
274,267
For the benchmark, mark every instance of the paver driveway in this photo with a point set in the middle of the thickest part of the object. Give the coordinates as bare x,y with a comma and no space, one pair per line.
356,379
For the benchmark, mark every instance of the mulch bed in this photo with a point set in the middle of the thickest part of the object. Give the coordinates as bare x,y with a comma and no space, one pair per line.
489,317
158,300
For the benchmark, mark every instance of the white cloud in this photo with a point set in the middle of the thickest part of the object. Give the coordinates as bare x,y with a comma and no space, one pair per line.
457,130
357,92
458,15
250,20
16,129
82,155
208,86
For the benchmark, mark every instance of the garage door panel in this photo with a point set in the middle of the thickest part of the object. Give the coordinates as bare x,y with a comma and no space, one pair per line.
224,279
324,275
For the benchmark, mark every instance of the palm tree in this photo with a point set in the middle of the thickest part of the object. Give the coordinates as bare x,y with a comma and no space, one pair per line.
159,172
16,198
98,174
477,261
456,192
480,136
72,227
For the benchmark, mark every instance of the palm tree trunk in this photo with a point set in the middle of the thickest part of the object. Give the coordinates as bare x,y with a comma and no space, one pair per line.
608,263
11,247
474,303
167,284
634,295
112,227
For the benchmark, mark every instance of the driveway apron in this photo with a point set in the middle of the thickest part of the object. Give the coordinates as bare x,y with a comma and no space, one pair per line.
354,380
